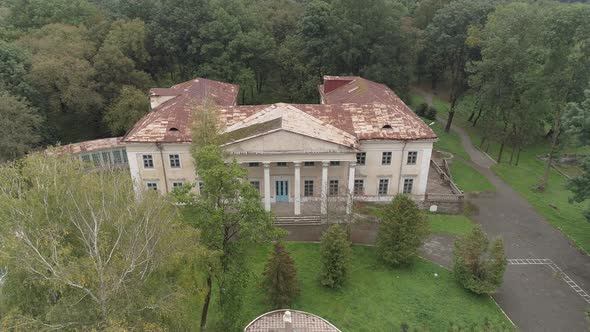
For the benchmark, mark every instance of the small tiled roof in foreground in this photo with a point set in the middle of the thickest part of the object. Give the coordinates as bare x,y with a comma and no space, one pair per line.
355,109
90,146
301,321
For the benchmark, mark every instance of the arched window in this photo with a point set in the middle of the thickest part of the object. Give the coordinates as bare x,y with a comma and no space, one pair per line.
173,129
386,127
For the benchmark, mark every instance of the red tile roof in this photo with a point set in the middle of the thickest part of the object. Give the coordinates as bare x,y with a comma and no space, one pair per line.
90,146
360,107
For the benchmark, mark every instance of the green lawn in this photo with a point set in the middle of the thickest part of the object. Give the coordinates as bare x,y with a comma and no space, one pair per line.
449,224
468,179
377,298
553,204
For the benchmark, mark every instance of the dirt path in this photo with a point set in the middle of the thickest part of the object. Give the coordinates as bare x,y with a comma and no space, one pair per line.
534,296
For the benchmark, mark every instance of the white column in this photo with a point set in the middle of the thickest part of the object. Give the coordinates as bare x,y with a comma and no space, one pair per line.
266,185
424,169
350,193
324,197
135,176
297,187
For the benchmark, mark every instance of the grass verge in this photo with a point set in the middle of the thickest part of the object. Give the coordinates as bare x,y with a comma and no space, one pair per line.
468,179
450,224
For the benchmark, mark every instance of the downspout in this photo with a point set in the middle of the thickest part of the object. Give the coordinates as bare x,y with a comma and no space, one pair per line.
160,147
401,165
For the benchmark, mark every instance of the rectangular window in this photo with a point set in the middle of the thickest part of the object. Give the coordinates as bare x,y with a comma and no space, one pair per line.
412,157
96,159
152,185
125,156
148,161
361,158
177,184
253,164
174,161
256,185
85,158
333,188
386,158
308,163
117,158
281,164
408,186
334,163
383,186
359,187
308,188
106,158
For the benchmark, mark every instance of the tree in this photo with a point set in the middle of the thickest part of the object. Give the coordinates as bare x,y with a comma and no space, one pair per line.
126,110
31,14
229,214
566,67
19,127
576,125
478,264
335,256
84,254
446,39
402,229
280,278
14,65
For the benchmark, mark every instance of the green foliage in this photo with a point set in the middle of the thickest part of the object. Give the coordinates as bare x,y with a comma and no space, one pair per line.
19,127
83,253
421,109
30,14
14,65
280,282
403,228
335,255
126,110
478,264
430,113
576,121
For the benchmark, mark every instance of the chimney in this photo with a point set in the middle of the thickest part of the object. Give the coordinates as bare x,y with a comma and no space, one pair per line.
332,83
287,321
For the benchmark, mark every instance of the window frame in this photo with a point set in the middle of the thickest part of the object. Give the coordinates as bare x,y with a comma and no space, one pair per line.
335,163
174,160
333,191
386,158
383,183
408,182
308,184
281,164
175,184
355,188
254,164
361,158
106,157
257,186
149,159
151,185
117,157
309,164
412,158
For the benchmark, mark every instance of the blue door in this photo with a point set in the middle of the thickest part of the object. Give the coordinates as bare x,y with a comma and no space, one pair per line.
282,191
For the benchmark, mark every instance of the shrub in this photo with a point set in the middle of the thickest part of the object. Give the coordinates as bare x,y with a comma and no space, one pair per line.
422,108
430,113
335,256
478,264
403,227
280,278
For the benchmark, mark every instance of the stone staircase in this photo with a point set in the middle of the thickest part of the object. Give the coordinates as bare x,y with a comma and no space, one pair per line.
298,220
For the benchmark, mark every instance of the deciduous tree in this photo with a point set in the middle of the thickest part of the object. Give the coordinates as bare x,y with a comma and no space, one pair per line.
20,127
126,110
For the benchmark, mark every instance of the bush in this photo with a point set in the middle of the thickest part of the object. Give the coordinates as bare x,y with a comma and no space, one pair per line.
403,227
280,278
478,264
422,109
335,254
430,113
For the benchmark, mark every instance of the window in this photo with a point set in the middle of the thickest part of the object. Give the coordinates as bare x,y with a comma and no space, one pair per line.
174,161
281,164
86,158
148,161
308,188
412,156
152,185
308,163
334,163
408,185
106,158
359,186
383,186
255,184
253,164
333,188
96,159
361,157
386,158
125,156
118,159
177,184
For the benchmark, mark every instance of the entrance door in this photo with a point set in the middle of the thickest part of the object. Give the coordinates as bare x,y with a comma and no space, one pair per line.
282,191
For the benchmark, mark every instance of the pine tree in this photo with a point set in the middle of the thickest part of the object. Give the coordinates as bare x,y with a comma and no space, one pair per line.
280,278
402,229
335,256
478,264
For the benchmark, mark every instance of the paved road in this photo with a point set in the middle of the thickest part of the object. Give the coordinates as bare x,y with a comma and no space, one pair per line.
533,296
